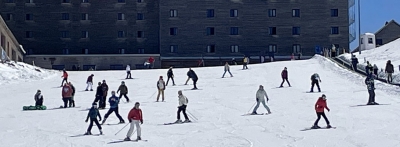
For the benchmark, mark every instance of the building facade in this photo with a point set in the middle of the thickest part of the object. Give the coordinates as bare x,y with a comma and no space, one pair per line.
389,32
10,49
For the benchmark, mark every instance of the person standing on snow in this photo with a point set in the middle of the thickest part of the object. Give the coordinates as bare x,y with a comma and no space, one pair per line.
113,100
124,91
89,83
104,98
260,98
389,69
320,106
226,69
369,81
72,102
151,61
375,69
188,74
93,114
315,79
99,93
368,68
65,78
183,101
38,99
128,72
66,94
135,117
354,62
284,75
194,77
170,75
161,87
245,62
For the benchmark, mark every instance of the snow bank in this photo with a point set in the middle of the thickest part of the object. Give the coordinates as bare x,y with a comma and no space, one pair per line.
13,72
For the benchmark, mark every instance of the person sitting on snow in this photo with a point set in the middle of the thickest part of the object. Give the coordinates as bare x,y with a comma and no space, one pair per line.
38,99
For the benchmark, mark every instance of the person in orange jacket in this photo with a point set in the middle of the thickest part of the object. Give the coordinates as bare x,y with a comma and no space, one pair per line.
65,78
320,106
135,117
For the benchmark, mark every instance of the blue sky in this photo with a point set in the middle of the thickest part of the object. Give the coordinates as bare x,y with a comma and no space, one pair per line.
374,14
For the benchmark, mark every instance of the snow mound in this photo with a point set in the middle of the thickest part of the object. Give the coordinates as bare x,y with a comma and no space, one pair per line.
13,72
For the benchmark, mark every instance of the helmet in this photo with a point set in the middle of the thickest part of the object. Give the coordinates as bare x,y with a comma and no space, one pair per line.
122,82
104,81
39,90
324,96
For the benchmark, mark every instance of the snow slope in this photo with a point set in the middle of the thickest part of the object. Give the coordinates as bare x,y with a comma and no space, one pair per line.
14,72
219,106
379,56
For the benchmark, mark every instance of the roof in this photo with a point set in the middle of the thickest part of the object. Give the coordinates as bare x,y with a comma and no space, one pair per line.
390,22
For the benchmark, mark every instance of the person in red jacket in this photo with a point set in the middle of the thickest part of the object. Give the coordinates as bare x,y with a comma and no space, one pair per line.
284,75
320,106
66,94
151,61
135,117
65,77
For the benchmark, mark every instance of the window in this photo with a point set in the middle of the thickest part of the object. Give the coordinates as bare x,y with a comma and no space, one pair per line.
234,31
334,12
139,16
379,42
173,13
272,30
65,1
9,1
140,1
85,1
29,34
296,31
296,48
65,51
85,34
234,13
29,1
85,51
140,34
173,31
121,51
296,12
370,41
173,48
272,12
272,48
334,30
121,16
29,17
85,16
362,42
64,16
141,50
64,34
9,16
211,49
234,49
121,1
210,31
210,12
121,34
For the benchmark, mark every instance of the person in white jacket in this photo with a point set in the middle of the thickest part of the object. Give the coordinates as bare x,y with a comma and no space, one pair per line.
161,87
128,72
226,69
260,98
183,101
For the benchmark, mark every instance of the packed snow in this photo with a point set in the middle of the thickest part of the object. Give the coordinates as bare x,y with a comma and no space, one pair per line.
379,56
14,72
218,105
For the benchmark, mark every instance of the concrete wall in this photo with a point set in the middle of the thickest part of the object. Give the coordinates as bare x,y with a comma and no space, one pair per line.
102,62
9,44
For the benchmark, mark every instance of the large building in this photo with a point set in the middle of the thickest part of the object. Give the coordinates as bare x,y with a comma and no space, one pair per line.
179,30
10,49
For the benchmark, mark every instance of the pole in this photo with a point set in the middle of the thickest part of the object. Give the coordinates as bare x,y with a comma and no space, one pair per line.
359,28
123,128
192,115
251,107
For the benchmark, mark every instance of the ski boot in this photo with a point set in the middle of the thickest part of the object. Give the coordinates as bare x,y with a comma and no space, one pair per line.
86,90
101,132
178,121
253,113
139,138
121,122
91,89
187,121
315,127
329,126
88,133
127,139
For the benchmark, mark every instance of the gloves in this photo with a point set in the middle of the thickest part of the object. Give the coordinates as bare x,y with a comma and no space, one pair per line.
267,99
320,81
130,120
86,120
329,110
100,119
141,121
257,99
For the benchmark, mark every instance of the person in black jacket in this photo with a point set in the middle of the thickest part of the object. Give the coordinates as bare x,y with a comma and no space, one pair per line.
73,94
194,77
389,69
188,74
170,75
369,81
104,98
38,98
99,93
93,114
354,62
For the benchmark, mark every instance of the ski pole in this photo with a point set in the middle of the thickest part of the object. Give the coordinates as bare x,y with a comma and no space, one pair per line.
251,107
192,115
153,94
123,128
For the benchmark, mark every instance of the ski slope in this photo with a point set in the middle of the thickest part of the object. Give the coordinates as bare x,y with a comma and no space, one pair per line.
219,106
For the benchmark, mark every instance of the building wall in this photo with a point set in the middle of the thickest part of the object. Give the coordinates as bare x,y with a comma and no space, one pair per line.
9,44
315,24
389,33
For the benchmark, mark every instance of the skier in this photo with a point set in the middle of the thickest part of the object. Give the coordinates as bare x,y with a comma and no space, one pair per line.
38,99
113,100
99,93
183,101
72,102
128,72
375,69
66,94
161,87
188,74
389,69
245,62
151,61
368,68
233,62
93,114
170,75
320,106
226,69
89,83
194,77
315,79
369,81
135,117
104,98
124,91
260,98
284,75
354,62
65,78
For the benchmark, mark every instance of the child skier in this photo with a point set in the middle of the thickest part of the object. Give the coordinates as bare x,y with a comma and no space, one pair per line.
183,101
72,102
38,99
128,72
170,75
135,117
93,114
369,81
65,78
260,98
113,100
89,83
284,75
315,81
124,91
320,106
161,87
226,69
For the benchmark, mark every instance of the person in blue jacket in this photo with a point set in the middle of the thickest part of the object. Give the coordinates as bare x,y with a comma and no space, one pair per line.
114,101
93,114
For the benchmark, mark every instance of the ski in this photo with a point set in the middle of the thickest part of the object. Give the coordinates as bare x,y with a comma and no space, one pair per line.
119,141
176,123
312,92
368,105
80,135
191,89
63,108
114,124
255,114
311,128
